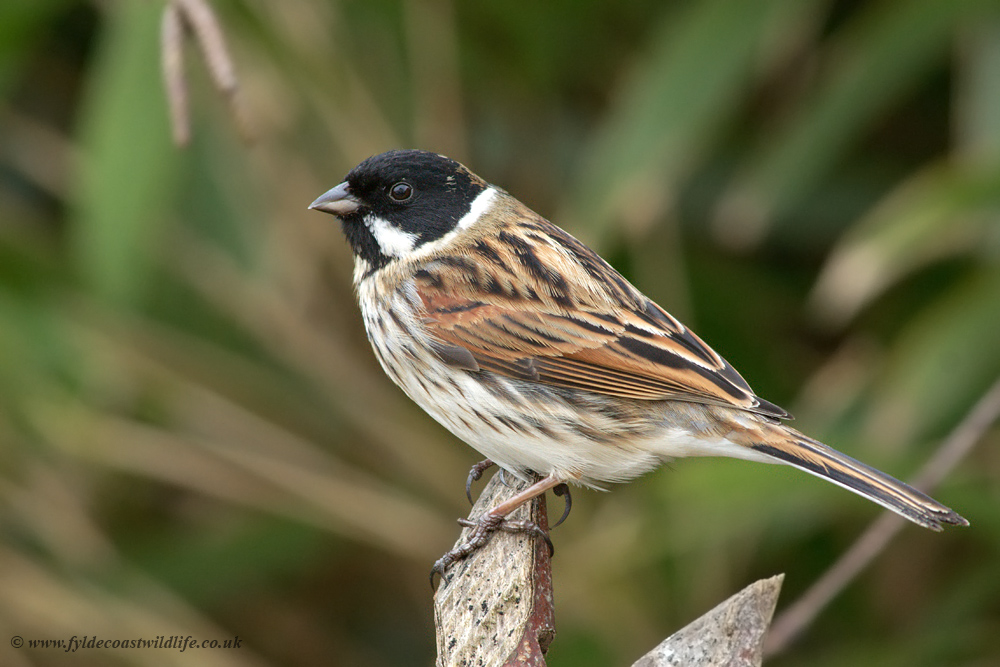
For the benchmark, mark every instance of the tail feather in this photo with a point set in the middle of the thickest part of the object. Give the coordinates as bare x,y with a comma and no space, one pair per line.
818,459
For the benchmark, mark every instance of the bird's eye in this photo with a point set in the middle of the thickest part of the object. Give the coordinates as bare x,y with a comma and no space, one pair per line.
401,191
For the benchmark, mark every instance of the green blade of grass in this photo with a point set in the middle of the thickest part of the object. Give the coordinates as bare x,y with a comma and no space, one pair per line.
128,159
871,64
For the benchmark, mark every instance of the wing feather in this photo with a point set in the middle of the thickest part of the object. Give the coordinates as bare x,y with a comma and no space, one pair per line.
553,311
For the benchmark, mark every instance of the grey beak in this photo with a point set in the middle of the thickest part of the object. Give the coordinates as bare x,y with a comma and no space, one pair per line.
337,201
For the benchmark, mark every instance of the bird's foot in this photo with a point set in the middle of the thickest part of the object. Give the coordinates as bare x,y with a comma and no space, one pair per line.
482,530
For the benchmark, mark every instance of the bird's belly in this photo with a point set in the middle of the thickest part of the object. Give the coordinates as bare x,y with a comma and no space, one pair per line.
524,426
521,425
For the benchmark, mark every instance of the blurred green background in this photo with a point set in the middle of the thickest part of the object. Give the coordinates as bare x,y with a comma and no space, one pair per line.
196,439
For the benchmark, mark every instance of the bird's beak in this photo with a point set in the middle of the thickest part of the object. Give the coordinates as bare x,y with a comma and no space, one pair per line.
337,201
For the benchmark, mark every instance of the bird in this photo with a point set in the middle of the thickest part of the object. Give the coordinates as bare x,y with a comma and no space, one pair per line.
527,345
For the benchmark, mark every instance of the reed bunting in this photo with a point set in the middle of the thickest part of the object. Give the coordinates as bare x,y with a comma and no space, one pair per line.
528,346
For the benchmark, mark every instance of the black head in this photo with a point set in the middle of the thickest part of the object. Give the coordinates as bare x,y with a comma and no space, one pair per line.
393,203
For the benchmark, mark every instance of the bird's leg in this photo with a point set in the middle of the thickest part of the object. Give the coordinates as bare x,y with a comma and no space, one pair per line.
494,520
475,472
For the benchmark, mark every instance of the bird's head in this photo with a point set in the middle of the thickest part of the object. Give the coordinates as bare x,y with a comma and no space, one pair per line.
396,203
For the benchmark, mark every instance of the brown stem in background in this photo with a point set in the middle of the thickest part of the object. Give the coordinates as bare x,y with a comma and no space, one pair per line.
172,63
793,620
198,18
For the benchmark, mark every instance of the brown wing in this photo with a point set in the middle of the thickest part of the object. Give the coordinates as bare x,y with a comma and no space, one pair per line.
539,305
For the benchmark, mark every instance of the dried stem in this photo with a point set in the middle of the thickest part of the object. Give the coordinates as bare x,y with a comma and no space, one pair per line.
793,620
196,16
731,634
496,607
172,63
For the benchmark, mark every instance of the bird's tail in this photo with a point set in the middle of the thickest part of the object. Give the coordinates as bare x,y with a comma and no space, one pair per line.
791,447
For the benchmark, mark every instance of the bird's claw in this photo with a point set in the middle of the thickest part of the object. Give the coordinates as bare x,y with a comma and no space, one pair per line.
482,530
563,490
475,473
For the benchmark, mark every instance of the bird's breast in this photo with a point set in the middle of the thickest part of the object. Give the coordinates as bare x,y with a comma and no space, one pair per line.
522,426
